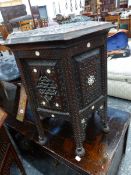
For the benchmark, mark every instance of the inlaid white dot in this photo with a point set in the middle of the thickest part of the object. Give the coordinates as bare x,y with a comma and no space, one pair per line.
44,103
78,158
83,121
48,71
101,107
88,45
52,115
37,53
21,111
41,117
93,107
35,70
57,105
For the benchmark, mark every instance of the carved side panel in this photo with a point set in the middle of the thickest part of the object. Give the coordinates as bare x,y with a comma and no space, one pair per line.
11,159
88,77
48,85
3,149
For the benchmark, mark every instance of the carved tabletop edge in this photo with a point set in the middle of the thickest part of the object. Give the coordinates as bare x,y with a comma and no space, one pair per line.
57,33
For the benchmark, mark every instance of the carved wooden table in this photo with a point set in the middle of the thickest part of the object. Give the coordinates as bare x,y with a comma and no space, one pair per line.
64,73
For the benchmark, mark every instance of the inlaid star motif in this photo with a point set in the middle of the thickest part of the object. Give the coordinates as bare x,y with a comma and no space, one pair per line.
91,80
83,121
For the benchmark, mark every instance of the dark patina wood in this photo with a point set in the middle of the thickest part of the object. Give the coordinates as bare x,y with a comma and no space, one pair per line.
8,154
103,152
64,72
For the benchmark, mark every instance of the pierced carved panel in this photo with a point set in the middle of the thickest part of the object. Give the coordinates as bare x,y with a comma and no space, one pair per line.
47,88
48,84
88,77
3,149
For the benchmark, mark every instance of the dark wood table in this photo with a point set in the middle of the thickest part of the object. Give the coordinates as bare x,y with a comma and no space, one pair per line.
50,58
103,152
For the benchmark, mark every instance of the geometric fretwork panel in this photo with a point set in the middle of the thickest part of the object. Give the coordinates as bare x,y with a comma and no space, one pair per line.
48,84
47,88
88,77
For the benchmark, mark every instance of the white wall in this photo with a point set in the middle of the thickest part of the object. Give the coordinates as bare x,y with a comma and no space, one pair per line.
1,18
57,6
129,3
33,3
64,7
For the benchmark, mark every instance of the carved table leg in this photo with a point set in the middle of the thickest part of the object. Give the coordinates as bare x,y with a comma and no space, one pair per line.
84,124
80,151
39,126
42,137
102,112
